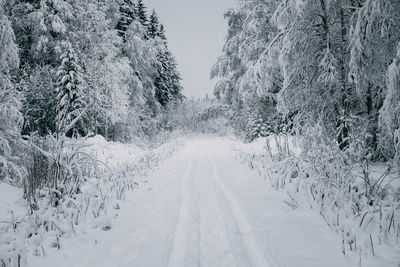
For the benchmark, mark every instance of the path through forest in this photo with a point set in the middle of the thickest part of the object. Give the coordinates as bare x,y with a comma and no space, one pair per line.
203,208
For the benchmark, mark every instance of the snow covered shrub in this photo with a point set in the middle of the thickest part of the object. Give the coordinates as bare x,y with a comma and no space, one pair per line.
354,197
74,193
59,165
12,250
257,126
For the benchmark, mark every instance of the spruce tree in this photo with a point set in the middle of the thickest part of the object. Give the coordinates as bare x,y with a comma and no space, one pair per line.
69,95
167,83
127,16
141,12
161,33
153,27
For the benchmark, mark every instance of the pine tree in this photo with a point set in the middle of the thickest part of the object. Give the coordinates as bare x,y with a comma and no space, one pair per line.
127,16
167,83
161,32
141,12
69,95
153,27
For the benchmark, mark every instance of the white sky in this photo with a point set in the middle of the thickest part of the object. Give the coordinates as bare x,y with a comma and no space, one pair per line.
196,32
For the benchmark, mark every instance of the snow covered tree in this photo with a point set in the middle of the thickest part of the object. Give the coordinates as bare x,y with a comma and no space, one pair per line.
142,54
373,38
9,58
23,29
229,67
314,61
324,61
161,32
390,112
106,75
39,107
141,12
117,59
69,96
10,101
248,69
153,25
127,16
167,82
51,26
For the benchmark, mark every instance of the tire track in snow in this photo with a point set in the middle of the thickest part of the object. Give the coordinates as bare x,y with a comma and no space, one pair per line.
178,249
253,250
215,248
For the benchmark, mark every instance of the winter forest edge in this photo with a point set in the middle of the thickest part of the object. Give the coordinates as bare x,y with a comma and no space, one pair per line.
318,81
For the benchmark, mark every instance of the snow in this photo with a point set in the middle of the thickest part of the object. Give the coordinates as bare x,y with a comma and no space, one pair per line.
11,203
113,154
202,208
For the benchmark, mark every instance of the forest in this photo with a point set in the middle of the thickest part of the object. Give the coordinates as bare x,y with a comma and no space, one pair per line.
307,95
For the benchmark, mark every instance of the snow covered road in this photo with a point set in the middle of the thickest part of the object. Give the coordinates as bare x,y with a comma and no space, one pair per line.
203,208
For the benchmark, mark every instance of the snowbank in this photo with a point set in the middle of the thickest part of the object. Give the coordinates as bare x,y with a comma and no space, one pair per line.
93,207
367,226
113,153
12,205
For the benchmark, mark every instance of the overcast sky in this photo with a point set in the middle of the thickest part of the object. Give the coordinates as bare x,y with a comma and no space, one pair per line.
196,32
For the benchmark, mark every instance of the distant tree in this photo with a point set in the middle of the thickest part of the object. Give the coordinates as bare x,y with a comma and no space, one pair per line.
142,54
153,27
127,16
161,32
167,83
141,12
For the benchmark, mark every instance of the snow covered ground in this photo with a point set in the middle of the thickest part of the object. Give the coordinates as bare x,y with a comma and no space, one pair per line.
203,208
12,205
112,153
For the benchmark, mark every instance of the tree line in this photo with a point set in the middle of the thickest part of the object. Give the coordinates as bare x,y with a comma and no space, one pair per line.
84,66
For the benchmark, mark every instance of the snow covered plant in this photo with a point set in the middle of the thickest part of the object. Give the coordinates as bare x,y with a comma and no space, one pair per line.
57,171
354,197
69,192
58,165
